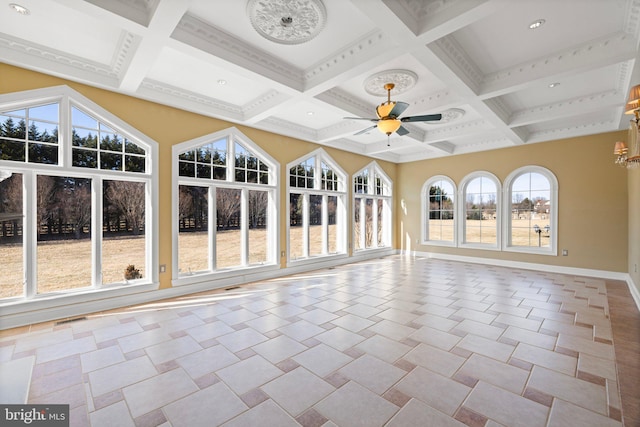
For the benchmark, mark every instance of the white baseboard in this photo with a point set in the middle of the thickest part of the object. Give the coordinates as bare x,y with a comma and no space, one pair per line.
635,293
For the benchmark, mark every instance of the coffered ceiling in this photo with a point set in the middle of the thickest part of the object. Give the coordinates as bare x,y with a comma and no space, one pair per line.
497,82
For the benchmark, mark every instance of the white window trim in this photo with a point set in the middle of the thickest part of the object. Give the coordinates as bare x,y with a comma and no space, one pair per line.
424,212
273,244
372,170
462,190
341,241
94,292
506,212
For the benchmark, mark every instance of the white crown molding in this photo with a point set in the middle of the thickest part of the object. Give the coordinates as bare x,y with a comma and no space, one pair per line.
632,21
458,130
590,128
286,127
41,57
567,108
600,52
499,108
264,103
188,100
201,35
444,146
343,100
436,101
123,54
453,55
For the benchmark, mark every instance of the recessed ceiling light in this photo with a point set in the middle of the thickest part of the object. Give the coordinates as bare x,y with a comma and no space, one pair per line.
310,113
554,84
222,82
19,9
536,24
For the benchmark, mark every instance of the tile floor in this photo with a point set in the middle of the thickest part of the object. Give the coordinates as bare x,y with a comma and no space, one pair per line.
392,341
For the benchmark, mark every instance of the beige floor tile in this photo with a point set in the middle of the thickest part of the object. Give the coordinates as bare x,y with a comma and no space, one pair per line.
170,350
143,339
583,345
354,405
383,348
604,368
113,415
206,361
267,323
392,330
565,414
121,375
301,330
478,316
509,319
480,329
180,323
581,393
434,359
353,322
64,349
487,347
208,331
196,409
529,337
510,309
340,338
505,407
298,390
497,373
117,331
158,391
322,359
436,322
372,373
436,338
279,348
248,374
416,413
239,340
318,316
266,414
101,358
547,358
435,390
43,339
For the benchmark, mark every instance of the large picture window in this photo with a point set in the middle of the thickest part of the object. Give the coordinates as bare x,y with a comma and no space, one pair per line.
225,205
316,207
480,215
439,211
372,220
531,210
75,195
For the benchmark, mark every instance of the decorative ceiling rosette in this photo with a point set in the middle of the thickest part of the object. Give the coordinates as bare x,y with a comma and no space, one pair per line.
287,21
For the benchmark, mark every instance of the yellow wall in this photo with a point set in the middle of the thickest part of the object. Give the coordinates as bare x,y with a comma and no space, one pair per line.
170,126
634,226
596,198
592,194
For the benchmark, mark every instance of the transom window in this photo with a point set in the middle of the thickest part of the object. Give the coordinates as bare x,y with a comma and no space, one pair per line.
372,208
226,205
76,197
317,207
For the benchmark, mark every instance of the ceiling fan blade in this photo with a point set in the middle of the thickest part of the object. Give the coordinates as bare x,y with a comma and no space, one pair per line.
361,118
365,130
398,109
425,118
402,131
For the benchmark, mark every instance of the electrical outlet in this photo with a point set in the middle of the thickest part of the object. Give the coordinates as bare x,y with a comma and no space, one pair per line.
282,254
565,252
163,268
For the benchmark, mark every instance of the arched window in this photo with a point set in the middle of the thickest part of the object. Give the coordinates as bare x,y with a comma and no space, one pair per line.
317,207
225,205
531,211
373,193
438,211
77,198
479,209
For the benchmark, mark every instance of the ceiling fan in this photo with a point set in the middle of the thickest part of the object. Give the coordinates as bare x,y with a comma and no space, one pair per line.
388,120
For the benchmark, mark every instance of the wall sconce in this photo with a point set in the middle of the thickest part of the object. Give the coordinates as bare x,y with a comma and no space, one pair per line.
629,157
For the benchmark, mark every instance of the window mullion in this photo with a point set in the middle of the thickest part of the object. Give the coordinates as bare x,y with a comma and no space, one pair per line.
212,218
30,233
305,225
96,231
244,227
325,224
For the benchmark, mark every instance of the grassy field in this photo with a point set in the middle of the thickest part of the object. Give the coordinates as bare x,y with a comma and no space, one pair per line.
64,265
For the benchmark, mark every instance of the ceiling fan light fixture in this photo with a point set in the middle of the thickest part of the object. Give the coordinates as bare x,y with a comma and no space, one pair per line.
389,126
385,108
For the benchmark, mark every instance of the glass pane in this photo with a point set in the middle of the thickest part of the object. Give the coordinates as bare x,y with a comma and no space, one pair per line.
84,158
110,161
134,164
296,227
42,131
332,224
380,223
228,243
123,242
368,236
132,148
531,211
81,119
12,150
43,153
441,211
316,235
193,234
187,169
85,138
258,236
204,171
11,237
64,233
357,239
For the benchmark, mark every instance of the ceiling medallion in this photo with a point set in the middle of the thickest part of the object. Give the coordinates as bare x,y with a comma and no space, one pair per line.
402,79
287,21
448,116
